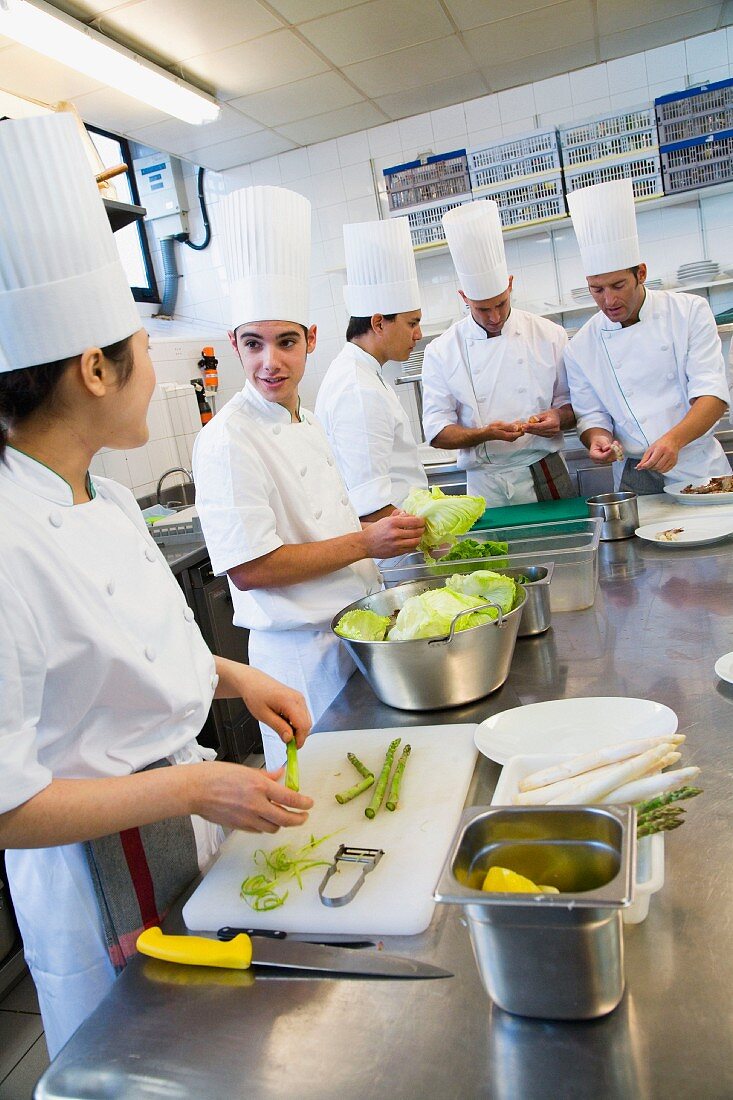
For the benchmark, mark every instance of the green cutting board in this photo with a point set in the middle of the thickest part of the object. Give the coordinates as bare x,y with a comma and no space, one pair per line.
543,511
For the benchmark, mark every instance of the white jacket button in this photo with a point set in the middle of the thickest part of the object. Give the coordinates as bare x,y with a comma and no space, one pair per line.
318,513
276,430
188,615
670,377
214,682
150,652
520,361
303,471
329,460
664,347
150,553
110,588
344,500
522,389
55,519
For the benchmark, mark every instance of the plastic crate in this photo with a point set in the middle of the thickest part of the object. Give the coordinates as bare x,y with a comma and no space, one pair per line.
700,162
644,172
526,203
695,112
532,154
426,227
418,182
611,136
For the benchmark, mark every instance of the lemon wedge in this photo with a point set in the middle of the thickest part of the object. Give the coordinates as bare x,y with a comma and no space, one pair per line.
500,880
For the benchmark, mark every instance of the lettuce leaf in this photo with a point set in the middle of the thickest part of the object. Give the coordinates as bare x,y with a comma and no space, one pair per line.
487,585
470,548
430,614
446,516
362,626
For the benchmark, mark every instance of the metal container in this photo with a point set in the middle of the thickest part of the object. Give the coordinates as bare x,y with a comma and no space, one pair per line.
553,956
429,673
571,545
537,615
619,513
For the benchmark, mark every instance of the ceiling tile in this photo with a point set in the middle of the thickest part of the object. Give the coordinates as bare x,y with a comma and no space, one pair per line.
301,99
537,32
661,33
86,10
411,68
251,67
620,15
433,96
172,132
541,65
27,73
297,11
177,29
475,13
113,110
350,36
229,154
334,124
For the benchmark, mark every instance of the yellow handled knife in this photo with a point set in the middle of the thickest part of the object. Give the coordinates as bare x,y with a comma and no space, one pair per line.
238,954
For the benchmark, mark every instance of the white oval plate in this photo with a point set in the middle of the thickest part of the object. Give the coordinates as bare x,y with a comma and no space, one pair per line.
695,532
697,498
724,667
571,726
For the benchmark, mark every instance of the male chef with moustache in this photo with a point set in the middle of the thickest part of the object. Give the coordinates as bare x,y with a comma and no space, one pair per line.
364,420
274,510
646,372
494,384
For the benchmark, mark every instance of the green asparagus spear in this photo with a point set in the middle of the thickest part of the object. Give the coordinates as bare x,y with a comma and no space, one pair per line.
394,794
356,790
381,786
665,799
361,768
650,828
292,778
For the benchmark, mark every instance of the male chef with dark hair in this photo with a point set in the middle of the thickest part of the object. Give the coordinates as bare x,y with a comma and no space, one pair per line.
274,510
366,424
494,385
646,372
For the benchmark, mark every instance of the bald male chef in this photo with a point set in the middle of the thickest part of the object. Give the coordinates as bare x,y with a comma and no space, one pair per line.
646,372
274,510
494,384
362,415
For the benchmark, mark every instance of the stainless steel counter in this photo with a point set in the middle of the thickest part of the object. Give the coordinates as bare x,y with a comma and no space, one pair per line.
662,616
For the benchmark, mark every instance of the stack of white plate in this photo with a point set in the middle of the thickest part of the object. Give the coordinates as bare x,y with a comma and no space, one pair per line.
700,272
654,284
581,294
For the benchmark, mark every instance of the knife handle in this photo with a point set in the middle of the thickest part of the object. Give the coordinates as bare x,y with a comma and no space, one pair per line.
227,933
236,954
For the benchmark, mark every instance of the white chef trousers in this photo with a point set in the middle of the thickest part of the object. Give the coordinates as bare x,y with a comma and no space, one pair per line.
312,661
500,486
59,920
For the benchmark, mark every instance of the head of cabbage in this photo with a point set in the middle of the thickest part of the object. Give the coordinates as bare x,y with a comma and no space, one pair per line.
362,626
446,516
487,585
430,614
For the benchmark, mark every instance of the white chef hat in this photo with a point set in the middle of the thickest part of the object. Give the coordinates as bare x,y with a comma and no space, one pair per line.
381,276
476,243
267,246
604,220
62,286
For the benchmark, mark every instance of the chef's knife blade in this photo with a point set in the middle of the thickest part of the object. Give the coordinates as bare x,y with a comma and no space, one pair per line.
242,952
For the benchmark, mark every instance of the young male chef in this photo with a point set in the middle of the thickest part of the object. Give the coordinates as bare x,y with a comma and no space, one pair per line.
274,510
494,385
364,420
646,372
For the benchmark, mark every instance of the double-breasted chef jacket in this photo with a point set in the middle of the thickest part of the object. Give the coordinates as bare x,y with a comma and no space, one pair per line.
637,382
471,379
264,481
103,670
369,432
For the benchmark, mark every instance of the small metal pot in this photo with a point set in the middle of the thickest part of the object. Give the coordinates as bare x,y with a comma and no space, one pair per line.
552,956
619,512
430,673
536,617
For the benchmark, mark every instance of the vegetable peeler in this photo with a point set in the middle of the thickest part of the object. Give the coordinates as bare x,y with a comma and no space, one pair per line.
368,857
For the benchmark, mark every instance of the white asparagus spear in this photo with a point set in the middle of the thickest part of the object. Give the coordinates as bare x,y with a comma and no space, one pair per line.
540,796
639,790
590,760
596,787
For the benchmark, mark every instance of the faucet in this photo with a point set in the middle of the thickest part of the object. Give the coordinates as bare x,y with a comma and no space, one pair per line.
164,475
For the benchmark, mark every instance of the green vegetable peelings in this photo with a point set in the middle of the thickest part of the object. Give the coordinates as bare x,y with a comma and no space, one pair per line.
292,778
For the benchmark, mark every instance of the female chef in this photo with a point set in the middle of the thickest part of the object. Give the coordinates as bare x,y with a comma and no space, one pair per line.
104,676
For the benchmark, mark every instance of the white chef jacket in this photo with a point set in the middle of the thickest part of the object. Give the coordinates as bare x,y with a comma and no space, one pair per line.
471,379
102,671
369,432
637,382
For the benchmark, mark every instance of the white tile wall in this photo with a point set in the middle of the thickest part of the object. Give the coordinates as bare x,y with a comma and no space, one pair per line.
337,177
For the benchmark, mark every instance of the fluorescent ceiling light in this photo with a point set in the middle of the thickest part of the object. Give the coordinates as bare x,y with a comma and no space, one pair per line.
49,32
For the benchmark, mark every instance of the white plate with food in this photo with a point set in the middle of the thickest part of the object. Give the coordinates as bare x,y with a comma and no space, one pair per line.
695,532
572,726
721,495
724,667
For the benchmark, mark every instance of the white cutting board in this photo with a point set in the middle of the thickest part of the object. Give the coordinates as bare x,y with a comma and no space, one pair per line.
396,897
662,507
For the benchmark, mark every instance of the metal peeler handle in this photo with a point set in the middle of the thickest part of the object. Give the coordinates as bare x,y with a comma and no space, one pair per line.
368,857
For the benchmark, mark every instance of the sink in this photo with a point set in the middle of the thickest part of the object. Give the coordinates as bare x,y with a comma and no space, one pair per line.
172,495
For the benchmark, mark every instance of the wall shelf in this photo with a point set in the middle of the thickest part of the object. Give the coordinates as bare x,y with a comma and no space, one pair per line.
121,214
552,310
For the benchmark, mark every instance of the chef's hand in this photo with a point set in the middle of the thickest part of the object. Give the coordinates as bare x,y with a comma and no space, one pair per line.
243,798
269,701
396,534
603,448
545,424
661,455
500,429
